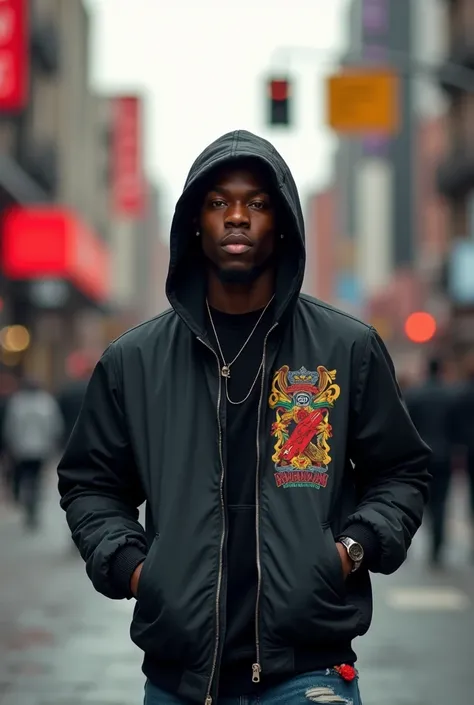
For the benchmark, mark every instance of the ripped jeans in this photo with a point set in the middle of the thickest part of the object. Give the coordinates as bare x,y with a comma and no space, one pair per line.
323,687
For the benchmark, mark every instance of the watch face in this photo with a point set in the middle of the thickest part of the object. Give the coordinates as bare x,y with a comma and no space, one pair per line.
356,552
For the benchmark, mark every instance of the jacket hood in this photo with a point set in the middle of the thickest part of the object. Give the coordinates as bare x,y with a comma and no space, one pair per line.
185,285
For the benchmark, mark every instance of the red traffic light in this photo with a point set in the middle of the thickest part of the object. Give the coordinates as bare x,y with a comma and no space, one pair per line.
279,90
279,101
420,327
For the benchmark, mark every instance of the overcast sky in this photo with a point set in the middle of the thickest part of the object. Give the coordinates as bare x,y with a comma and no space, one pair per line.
201,65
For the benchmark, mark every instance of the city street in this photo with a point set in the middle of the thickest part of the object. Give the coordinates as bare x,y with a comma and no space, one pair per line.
302,204
63,644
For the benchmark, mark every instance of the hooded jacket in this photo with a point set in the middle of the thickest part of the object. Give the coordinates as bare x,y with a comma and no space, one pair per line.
337,454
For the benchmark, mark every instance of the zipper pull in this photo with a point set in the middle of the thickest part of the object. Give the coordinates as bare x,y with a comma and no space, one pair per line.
256,670
208,700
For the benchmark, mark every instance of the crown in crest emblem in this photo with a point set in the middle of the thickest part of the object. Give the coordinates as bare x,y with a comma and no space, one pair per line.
302,377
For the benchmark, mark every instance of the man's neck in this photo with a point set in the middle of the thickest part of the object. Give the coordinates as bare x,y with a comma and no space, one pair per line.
240,298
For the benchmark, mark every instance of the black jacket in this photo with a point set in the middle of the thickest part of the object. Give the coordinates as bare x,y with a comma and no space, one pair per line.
337,454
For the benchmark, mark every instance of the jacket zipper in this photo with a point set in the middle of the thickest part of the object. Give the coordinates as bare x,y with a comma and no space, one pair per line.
256,667
208,700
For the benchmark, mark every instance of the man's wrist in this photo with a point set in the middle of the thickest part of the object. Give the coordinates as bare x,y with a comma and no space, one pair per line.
123,565
354,550
135,579
366,536
347,563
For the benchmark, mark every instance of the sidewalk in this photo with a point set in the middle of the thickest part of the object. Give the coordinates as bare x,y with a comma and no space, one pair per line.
60,642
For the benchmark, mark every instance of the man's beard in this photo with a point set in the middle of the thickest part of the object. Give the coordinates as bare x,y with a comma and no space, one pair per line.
242,276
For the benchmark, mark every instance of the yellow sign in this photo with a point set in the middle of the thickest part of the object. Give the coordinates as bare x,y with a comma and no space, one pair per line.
364,101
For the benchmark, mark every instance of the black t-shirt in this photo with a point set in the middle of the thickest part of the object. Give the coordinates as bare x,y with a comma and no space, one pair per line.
240,492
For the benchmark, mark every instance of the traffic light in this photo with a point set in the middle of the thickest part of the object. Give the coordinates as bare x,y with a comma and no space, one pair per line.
279,97
420,327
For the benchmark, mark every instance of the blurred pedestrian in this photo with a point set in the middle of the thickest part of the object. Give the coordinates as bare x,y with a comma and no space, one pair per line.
72,394
32,432
235,415
404,382
462,426
8,385
429,404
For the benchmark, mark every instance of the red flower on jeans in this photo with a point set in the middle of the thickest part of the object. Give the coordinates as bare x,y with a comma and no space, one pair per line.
347,673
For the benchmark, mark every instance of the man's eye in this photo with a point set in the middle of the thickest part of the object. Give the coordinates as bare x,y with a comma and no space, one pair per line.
258,204
217,203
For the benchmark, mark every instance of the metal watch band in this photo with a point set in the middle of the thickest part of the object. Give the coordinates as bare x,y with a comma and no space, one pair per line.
347,542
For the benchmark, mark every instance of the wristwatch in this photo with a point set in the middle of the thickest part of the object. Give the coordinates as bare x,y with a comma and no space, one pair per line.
354,550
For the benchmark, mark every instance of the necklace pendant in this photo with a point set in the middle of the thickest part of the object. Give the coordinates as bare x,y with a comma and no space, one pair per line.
225,371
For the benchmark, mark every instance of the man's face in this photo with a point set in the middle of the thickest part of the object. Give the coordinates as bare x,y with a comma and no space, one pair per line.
237,222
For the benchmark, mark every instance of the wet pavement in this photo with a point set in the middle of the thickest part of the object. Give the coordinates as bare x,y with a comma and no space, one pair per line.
419,648
63,644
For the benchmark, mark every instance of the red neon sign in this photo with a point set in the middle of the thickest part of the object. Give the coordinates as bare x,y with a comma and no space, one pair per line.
53,242
14,55
127,157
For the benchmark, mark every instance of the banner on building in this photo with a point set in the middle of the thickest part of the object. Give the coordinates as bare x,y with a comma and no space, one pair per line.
128,183
14,55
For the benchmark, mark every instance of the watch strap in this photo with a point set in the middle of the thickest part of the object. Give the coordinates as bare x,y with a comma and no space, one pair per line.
347,541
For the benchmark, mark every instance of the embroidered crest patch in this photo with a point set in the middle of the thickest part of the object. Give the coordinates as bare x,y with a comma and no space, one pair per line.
302,401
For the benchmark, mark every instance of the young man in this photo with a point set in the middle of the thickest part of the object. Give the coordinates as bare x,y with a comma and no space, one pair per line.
266,432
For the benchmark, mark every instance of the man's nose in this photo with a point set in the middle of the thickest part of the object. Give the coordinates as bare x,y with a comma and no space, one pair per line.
237,216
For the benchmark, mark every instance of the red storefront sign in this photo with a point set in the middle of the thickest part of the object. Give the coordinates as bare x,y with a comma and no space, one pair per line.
127,157
54,243
14,55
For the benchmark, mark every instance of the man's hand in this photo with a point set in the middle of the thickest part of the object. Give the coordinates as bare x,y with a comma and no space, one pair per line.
135,579
347,564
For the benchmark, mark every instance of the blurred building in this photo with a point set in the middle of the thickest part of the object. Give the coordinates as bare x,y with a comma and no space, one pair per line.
456,173
388,257
55,260
151,260
74,220
321,244
141,266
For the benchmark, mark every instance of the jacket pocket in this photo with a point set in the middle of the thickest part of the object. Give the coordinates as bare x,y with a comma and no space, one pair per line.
145,576
174,613
335,571
354,590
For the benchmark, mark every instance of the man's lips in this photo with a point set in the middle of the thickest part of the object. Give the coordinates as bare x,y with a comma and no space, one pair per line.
236,248
236,244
